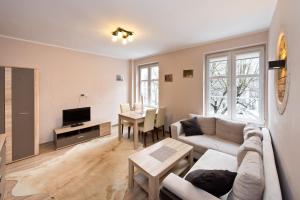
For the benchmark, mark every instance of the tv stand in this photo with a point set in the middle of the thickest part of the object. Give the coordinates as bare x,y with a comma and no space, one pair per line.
77,124
70,135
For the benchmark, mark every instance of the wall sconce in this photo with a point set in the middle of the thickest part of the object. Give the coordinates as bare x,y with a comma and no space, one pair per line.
277,64
123,35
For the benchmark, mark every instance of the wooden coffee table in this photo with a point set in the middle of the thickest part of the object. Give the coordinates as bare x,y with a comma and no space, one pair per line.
148,167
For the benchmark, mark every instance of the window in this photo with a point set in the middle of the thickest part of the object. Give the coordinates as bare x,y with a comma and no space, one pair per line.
149,82
235,84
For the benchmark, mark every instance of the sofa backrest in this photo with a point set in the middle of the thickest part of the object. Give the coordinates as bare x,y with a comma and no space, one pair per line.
249,182
207,124
272,187
225,129
229,130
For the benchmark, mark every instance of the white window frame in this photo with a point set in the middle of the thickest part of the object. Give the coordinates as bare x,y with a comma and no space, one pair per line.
231,75
150,80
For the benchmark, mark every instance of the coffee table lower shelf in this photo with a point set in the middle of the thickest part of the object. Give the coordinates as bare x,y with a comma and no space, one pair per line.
142,180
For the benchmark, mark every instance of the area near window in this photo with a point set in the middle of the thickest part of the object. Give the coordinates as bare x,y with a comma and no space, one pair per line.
235,84
148,84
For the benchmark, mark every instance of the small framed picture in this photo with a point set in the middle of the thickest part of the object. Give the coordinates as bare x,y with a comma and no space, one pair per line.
169,78
119,77
188,73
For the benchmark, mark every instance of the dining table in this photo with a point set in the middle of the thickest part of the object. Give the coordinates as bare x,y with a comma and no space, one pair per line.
134,117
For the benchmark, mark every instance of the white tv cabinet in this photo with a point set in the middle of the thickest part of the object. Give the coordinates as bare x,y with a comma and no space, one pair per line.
68,135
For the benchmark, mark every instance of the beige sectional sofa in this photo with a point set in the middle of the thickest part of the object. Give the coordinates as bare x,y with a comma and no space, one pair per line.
221,135
256,169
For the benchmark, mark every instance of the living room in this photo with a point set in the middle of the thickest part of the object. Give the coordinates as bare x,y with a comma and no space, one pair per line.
91,73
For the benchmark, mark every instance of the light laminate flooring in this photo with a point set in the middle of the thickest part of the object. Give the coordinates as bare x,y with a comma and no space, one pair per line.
48,152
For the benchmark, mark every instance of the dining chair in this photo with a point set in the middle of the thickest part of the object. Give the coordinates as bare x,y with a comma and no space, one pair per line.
138,106
125,107
148,125
160,121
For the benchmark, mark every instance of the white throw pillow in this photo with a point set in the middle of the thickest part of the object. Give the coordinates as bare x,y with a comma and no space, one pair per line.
249,183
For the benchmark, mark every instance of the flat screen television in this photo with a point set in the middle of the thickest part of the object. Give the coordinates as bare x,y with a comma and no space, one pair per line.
76,116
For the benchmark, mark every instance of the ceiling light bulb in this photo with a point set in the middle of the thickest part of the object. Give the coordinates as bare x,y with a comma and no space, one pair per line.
114,38
124,41
120,34
130,38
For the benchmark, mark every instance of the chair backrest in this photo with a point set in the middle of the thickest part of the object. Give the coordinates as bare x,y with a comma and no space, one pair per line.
125,107
138,106
149,120
160,118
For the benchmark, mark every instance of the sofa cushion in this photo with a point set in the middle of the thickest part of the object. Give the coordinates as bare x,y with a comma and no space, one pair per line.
254,132
212,159
252,144
184,189
165,194
230,130
251,126
215,160
191,127
215,182
249,182
203,142
207,124
252,129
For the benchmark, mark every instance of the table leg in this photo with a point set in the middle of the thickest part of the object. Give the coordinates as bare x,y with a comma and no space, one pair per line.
135,134
153,188
130,174
191,158
120,125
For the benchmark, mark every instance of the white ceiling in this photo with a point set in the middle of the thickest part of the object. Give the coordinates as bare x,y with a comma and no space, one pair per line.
159,25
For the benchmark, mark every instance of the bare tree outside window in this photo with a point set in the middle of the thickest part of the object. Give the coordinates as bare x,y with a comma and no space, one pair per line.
149,84
247,86
218,86
234,86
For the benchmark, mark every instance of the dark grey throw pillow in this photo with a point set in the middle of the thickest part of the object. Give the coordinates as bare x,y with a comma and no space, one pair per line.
191,127
215,182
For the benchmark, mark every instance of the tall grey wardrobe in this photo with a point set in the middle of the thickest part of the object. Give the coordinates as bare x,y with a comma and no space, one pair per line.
21,112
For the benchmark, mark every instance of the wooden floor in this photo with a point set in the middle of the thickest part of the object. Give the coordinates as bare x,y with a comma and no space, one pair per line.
47,152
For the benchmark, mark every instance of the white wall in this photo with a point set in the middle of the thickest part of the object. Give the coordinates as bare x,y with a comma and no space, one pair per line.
285,128
184,96
64,75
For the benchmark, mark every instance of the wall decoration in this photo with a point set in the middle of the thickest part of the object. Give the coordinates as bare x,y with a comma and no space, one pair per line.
281,76
169,78
188,73
119,77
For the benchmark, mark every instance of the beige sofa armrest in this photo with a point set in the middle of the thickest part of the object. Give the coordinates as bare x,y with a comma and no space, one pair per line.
272,186
184,189
176,130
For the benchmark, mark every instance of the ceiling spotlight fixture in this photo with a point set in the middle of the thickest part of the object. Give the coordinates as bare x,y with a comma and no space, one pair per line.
122,34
